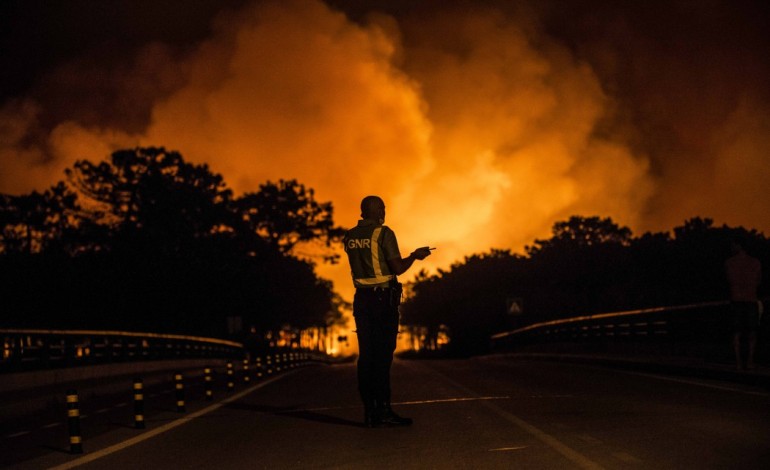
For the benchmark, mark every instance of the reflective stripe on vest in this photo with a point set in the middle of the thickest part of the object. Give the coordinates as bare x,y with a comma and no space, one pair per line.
379,277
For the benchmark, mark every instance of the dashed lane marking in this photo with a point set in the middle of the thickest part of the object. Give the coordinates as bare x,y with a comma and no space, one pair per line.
507,449
24,433
574,456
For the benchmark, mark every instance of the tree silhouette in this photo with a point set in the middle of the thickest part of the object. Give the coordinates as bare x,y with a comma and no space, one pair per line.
32,223
286,214
469,300
589,265
578,232
149,241
154,194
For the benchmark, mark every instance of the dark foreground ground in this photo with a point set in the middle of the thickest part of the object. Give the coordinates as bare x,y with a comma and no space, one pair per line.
488,412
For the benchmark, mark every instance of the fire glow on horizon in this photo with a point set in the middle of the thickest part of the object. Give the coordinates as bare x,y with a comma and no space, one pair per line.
477,128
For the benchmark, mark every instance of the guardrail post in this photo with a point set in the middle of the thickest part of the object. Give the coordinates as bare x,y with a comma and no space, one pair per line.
207,384
138,404
259,367
179,387
230,382
73,422
246,376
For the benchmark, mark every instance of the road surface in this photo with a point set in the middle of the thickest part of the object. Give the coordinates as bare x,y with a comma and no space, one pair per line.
488,412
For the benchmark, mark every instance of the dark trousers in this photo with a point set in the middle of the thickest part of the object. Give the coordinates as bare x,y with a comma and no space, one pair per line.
377,329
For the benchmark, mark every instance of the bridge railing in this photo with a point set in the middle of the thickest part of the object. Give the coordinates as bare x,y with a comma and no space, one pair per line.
39,349
700,330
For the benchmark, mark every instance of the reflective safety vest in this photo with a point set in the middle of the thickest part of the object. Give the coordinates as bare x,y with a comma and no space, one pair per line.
369,246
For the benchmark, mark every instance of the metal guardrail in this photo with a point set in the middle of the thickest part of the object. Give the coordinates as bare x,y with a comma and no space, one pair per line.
40,349
702,329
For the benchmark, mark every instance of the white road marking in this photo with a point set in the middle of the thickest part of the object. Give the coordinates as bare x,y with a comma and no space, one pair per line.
628,458
400,403
166,427
450,400
589,439
506,449
699,384
574,456
103,410
24,433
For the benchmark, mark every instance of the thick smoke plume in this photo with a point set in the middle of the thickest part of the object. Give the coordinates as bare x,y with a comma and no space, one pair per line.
480,127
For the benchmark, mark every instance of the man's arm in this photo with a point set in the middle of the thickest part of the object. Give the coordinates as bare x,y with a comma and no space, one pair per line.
400,265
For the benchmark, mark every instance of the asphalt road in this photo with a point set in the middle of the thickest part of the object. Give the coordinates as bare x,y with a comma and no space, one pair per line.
491,412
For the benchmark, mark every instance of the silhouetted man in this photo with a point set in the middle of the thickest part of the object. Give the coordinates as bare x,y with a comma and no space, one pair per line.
744,274
375,261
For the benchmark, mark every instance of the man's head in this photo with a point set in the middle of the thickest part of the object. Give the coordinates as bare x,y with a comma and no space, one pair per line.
373,208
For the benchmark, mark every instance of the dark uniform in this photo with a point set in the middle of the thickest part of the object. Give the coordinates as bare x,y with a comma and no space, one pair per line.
744,274
369,246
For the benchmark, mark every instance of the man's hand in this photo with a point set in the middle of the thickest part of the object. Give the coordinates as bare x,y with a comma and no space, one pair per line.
421,253
399,265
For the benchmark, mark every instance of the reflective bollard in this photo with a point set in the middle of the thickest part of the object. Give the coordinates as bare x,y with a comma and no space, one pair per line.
138,404
73,422
179,392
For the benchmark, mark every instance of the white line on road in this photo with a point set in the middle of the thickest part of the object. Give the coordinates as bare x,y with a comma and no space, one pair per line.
24,433
450,400
589,439
400,403
574,456
700,384
506,449
167,427
627,458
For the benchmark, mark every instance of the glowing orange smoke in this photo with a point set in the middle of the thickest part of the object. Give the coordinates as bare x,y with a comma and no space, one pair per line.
478,133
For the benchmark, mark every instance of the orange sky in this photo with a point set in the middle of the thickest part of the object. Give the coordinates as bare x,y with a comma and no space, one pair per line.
477,127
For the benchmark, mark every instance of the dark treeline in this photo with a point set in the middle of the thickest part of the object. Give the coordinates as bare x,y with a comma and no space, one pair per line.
147,241
589,265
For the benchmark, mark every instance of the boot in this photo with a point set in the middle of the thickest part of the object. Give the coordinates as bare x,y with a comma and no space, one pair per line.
388,417
371,414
